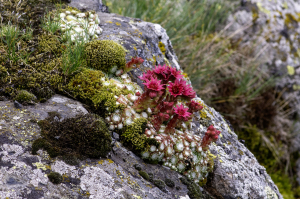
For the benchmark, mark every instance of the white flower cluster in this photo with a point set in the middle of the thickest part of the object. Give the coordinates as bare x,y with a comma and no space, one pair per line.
118,119
180,151
80,25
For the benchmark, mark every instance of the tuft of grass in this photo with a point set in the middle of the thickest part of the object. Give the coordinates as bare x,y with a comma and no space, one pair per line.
49,24
73,56
180,18
12,37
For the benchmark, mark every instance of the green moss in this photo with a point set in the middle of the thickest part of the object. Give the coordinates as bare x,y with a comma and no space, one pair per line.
3,74
169,182
151,177
283,183
55,177
24,96
202,182
104,101
184,181
105,54
49,44
133,135
160,184
138,167
254,142
43,144
70,159
37,80
82,136
194,190
144,175
85,84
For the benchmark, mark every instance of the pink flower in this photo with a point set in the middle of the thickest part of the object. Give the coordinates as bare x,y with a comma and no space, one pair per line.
174,74
182,112
177,88
138,93
154,84
194,106
189,92
161,71
210,136
147,75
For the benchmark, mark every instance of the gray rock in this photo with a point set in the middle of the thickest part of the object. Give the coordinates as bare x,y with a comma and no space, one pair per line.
237,173
276,28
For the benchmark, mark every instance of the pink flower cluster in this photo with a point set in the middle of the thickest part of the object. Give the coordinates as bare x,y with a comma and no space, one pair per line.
164,88
210,136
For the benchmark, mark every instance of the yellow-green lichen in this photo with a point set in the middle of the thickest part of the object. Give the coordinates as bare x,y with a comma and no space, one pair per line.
162,48
104,55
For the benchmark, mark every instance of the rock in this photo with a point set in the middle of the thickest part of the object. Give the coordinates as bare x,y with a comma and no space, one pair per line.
275,26
237,173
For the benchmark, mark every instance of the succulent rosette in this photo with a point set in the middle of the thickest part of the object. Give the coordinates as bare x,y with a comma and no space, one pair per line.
169,97
168,106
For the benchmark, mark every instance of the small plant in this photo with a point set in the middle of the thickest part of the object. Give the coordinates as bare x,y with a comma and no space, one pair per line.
10,35
49,24
169,97
28,34
55,177
73,56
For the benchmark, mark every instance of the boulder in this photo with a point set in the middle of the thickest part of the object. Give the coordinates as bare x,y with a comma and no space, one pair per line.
274,27
121,174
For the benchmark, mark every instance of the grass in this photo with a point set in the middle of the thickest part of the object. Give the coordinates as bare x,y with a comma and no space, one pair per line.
50,25
73,51
179,17
72,58
12,36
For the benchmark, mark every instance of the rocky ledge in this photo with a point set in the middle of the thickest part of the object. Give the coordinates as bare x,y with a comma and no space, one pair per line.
122,174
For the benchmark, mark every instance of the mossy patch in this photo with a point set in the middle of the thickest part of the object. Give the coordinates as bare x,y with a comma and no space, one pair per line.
194,190
82,136
85,84
104,55
49,44
55,177
25,97
160,184
144,175
169,182
104,101
133,135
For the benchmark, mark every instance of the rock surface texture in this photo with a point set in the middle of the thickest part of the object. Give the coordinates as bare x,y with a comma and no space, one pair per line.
274,26
237,174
